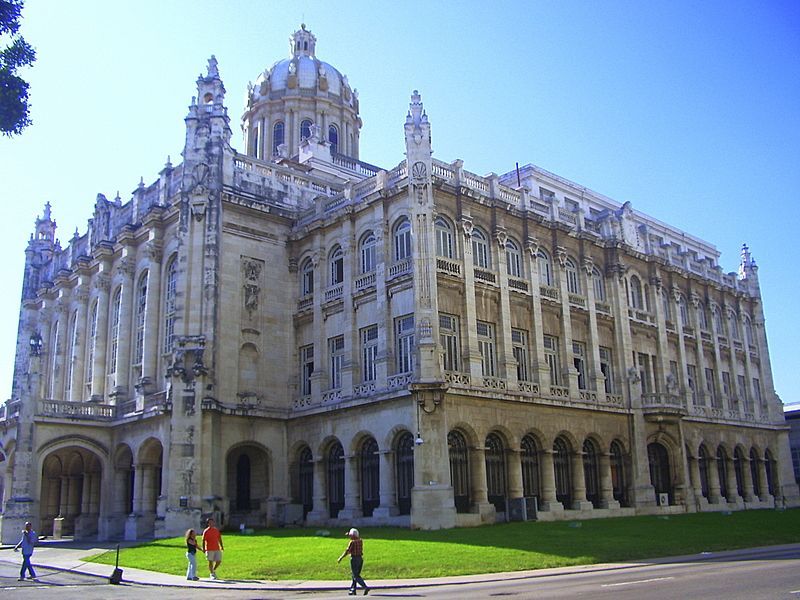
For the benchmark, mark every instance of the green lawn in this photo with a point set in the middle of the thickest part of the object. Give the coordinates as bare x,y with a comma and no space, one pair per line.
403,553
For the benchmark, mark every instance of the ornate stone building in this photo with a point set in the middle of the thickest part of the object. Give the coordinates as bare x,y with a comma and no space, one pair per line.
293,335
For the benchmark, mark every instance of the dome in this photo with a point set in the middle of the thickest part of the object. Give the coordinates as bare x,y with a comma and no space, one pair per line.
309,72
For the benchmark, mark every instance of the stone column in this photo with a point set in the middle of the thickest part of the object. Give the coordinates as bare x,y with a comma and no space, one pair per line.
506,350
697,485
102,283
152,315
319,509
548,500
733,492
60,358
539,365
763,482
319,378
388,494
351,362
477,457
514,468
565,339
714,496
472,355
126,267
700,385
662,360
352,489
138,489
579,501
606,484
77,385
717,360
595,377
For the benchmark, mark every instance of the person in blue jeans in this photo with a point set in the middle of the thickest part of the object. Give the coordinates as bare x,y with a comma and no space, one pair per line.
27,542
191,555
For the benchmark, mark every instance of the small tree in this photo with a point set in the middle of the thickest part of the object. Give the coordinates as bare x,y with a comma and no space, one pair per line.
14,109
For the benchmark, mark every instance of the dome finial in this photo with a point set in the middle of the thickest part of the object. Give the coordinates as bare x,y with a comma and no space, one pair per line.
302,43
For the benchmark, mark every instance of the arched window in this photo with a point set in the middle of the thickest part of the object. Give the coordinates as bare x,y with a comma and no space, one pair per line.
307,277
702,316
368,250
770,466
404,471
243,482
91,342
116,303
717,316
545,270
754,462
531,477
563,471
370,476
336,263
306,480
722,471
702,466
402,239
619,479
591,472
495,458
748,331
333,138
170,308
733,325
636,298
480,249
459,470
599,285
658,458
305,129
141,308
573,281
684,312
72,344
277,136
738,469
667,301
444,238
335,480
513,259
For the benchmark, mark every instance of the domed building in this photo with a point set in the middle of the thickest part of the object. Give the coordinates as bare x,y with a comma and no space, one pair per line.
290,335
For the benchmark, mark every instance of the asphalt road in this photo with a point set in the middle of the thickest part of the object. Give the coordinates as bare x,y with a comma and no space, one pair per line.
772,575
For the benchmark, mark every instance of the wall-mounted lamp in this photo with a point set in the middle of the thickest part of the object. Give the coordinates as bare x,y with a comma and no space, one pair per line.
36,344
424,406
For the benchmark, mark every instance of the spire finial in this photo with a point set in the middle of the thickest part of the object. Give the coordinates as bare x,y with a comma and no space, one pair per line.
213,71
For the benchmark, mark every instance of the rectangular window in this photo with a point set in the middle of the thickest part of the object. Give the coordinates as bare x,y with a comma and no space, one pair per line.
369,352
711,387
726,384
607,369
336,347
486,348
757,391
741,381
306,369
519,344
551,356
579,361
404,334
448,338
691,374
645,373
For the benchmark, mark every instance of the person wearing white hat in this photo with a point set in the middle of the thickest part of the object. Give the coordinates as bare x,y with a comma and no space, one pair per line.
356,551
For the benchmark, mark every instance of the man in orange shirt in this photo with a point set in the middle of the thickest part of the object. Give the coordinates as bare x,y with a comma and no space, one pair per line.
212,546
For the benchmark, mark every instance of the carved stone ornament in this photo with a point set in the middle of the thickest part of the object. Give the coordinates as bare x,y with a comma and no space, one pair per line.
198,206
619,269
251,271
561,255
102,283
467,226
694,298
154,251
200,178
126,267
588,265
419,172
501,237
533,245
676,293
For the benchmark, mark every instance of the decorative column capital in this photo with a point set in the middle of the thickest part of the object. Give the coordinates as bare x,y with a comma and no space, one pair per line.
467,225
561,255
154,251
501,237
532,245
588,265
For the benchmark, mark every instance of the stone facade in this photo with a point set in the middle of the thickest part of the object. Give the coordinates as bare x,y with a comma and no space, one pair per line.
307,338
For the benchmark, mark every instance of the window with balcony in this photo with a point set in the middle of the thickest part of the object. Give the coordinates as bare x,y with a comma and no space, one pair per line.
579,362
307,278
573,279
170,304
599,285
336,361
141,308
277,136
444,238
636,298
402,239
545,268
691,381
368,252
551,357
513,259
480,249
116,304
306,369
711,388
369,353
305,129
333,138
607,369
336,264
486,348
519,345
404,336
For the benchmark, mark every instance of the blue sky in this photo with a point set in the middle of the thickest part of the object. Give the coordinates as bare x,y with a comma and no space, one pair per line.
690,111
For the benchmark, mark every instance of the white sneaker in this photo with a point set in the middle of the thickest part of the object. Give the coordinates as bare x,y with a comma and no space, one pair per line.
213,575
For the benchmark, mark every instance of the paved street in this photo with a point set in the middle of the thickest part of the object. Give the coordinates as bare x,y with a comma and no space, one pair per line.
770,573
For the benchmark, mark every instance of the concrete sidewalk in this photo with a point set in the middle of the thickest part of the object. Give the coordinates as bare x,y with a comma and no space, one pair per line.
71,557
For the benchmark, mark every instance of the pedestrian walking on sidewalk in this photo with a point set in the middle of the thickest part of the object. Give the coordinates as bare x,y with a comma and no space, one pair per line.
26,542
356,551
191,555
212,546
